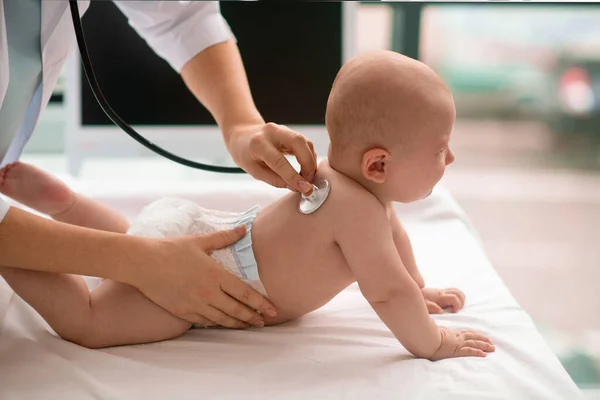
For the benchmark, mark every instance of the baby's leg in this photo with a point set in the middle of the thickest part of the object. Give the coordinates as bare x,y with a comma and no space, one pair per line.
44,193
113,314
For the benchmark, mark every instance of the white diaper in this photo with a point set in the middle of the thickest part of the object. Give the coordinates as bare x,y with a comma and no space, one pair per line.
172,217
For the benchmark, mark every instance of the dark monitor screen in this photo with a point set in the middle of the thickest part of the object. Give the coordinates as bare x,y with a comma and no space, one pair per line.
291,51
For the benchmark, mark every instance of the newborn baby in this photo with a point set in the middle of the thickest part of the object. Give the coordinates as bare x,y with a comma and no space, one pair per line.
389,119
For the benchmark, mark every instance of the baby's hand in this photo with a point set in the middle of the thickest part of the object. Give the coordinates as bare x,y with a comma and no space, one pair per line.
438,299
462,344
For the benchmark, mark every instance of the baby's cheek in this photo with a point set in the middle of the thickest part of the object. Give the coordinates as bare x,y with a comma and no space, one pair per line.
442,172
437,176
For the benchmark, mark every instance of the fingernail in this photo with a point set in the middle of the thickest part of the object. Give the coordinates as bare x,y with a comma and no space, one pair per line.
305,186
239,229
259,323
271,312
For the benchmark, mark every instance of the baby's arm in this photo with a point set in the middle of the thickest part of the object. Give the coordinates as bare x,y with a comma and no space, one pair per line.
368,246
367,243
436,299
405,250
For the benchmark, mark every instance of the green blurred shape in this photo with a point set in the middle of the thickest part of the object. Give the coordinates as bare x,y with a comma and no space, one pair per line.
581,367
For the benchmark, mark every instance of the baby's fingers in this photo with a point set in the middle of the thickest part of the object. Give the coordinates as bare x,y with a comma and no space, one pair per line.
476,336
470,352
480,345
433,308
459,293
450,300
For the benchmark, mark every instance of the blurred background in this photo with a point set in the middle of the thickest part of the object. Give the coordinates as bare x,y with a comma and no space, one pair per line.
526,81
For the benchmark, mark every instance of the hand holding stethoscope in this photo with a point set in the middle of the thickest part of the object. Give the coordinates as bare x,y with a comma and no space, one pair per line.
259,149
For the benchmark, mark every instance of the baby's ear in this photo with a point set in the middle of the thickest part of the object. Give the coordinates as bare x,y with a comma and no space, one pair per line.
373,166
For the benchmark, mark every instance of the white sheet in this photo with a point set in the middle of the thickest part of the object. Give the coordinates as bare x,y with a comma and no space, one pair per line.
340,351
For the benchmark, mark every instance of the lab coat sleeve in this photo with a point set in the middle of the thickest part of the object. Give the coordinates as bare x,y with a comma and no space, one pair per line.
3,209
177,30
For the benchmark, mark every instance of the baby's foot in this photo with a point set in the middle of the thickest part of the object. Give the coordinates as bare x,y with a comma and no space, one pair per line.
36,189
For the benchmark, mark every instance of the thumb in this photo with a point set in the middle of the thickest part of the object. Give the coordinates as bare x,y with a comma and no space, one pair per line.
218,240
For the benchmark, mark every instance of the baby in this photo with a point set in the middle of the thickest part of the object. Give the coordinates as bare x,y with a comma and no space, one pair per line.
389,119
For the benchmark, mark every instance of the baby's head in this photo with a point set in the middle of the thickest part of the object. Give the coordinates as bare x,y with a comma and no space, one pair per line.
389,119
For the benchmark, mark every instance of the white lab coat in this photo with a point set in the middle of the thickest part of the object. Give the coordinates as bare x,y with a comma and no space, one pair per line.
175,30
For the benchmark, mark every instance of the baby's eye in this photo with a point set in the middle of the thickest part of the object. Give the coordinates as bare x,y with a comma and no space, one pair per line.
441,151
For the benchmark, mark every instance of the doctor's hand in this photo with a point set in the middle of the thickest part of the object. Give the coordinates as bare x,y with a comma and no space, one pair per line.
183,279
260,150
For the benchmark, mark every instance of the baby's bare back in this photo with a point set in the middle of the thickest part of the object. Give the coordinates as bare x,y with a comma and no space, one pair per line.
299,262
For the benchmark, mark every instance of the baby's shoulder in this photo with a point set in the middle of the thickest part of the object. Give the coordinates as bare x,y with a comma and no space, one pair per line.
347,198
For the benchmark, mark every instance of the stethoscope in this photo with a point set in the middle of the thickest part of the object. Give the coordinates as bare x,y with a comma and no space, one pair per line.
308,203
116,119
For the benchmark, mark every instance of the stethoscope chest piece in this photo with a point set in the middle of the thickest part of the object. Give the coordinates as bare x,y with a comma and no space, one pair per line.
311,203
